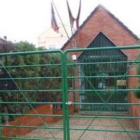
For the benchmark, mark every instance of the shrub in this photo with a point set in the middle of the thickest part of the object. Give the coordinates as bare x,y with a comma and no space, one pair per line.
29,84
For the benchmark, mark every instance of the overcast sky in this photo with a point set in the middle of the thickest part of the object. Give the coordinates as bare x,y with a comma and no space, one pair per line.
26,19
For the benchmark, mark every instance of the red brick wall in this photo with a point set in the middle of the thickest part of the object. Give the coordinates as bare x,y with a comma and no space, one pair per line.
134,110
28,120
101,21
133,82
32,120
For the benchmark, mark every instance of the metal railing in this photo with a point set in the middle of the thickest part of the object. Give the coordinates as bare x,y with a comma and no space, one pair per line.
98,85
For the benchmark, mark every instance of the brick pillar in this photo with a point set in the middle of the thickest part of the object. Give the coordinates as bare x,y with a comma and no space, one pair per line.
134,110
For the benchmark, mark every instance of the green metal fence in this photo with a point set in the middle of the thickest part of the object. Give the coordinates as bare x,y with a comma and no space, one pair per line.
96,82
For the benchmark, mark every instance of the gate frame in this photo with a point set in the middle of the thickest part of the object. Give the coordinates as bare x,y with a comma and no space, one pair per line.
64,75
75,50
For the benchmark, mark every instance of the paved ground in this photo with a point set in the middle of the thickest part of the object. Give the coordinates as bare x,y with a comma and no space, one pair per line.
90,135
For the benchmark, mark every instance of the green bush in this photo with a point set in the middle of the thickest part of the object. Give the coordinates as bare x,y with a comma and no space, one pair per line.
35,84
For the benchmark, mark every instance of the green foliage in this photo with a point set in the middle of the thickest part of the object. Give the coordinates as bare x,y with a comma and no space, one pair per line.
53,70
23,60
21,72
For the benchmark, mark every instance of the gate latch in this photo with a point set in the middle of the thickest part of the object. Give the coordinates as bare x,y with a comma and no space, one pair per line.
69,103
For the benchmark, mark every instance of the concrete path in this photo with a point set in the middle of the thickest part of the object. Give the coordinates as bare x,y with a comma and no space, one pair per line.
90,135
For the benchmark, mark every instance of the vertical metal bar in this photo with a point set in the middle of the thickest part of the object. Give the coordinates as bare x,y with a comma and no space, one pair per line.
115,98
65,74
74,82
0,122
63,67
65,97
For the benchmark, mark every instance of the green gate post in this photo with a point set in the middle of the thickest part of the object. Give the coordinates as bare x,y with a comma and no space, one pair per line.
66,113
0,123
64,96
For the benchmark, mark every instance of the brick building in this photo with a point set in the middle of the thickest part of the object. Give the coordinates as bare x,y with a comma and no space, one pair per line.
103,29
102,21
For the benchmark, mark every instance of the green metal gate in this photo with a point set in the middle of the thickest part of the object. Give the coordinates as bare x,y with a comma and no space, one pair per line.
104,81
32,94
96,85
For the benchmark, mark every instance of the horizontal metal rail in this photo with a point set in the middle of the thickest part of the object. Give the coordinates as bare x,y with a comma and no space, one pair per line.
30,78
103,90
35,127
40,115
104,76
27,66
21,138
31,52
74,103
72,128
37,90
106,103
71,77
105,130
36,103
73,116
102,48
95,63
102,117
